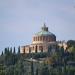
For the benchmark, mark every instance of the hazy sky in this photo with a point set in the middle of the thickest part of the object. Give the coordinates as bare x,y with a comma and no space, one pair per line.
20,19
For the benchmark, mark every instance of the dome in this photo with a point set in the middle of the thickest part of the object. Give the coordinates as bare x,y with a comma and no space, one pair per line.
44,36
44,32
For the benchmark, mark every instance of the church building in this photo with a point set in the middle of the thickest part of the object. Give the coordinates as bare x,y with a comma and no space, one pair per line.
41,41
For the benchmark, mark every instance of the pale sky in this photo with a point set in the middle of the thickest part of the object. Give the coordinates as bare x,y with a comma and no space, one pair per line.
20,19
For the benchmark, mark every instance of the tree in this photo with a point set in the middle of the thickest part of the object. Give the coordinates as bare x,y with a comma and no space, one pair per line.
71,43
2,53
37,71
2,70
19,50
71,49
14,50
5,51
49,50
61,52
45,70
32,68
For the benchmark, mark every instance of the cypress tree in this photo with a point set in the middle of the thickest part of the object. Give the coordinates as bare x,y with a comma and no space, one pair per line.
19,50
5,51
2,53
14,51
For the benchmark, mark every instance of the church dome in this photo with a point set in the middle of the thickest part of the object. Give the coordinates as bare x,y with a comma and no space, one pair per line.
44,33
44,36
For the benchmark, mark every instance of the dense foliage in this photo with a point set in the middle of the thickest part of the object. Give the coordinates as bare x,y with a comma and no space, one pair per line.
60,62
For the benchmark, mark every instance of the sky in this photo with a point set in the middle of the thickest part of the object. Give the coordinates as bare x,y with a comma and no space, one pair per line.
21,19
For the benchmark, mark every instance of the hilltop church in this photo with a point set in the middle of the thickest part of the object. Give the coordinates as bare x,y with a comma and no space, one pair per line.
41,41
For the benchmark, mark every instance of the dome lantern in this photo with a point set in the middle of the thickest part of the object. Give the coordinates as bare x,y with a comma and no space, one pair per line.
44,28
